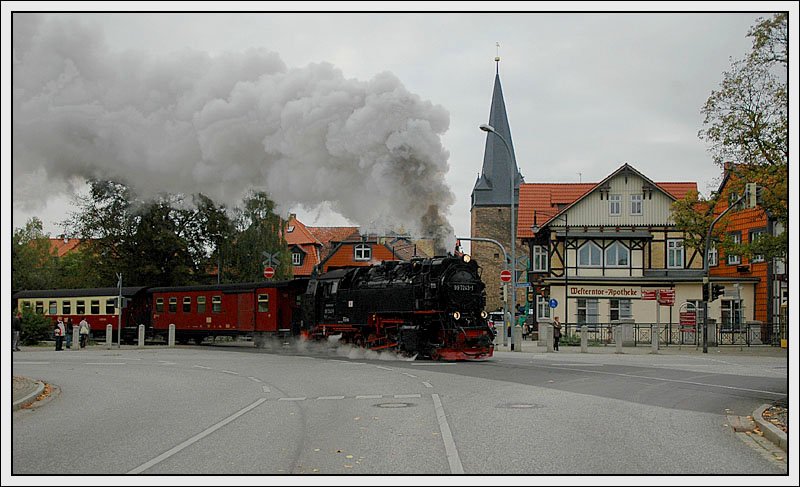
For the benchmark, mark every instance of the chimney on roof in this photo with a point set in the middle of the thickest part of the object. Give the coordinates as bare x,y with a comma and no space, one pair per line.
293,216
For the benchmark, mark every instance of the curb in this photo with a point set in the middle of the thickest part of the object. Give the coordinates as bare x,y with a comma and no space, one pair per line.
771,432
30,397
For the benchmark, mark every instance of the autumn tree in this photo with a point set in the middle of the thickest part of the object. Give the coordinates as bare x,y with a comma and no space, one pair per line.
746,123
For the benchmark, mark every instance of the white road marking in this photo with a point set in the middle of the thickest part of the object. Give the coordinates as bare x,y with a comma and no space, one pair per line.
230,372
579,365
202,367
193,439
104,363
675,380
31,363
374,396
427,384
167,363
254,379
327,398
449,445
409,375
292,399
385,368
265,388
431,364
406,396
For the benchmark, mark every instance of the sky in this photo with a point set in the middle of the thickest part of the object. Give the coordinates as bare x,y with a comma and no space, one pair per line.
368,119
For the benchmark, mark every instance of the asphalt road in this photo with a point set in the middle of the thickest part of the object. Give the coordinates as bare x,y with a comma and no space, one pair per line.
233,411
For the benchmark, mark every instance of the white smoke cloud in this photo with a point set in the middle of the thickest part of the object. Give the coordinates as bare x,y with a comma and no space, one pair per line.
190,122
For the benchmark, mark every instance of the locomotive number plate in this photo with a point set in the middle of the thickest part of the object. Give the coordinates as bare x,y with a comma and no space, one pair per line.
462,287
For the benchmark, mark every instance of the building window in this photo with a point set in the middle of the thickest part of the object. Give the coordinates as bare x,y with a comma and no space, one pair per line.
95,307
159,305
39,307
713,255
26,305
733,259
540,258
542,307
755,235
216,304
619,309
363,252
173,305
590,255
675,254
80,307
110,305
587,311
617,255
66,307
263,303
731,314
697,307
187,304
296,258
615,204
201,304
52,308
636,204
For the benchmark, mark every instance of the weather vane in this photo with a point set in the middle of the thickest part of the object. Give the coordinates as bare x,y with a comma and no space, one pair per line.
497,58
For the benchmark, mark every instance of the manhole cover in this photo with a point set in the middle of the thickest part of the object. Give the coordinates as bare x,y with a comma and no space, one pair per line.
519,405
395,405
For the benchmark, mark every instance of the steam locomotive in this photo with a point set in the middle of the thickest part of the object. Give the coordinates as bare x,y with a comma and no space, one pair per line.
428,307
431,308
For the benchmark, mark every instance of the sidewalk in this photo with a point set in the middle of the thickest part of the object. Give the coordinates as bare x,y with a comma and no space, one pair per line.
528,346
24,391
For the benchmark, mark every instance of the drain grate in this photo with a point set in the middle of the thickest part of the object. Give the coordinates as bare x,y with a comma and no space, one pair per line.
390,405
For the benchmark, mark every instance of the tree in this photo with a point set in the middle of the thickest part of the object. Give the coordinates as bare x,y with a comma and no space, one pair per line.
258,229
746,122
33,263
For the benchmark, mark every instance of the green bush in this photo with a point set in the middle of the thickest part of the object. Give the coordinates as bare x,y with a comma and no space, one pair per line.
35,328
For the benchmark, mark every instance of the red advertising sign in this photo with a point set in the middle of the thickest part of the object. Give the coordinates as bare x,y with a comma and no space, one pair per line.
666,297
688,321
649,295
505,276
269,272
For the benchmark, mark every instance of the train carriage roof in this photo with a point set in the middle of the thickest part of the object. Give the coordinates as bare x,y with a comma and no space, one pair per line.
231,288
76,293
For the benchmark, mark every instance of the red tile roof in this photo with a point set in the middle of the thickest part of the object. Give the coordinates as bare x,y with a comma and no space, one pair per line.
61,248
344,255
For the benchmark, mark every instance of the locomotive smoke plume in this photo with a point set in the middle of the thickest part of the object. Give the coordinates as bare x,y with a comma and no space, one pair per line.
191,122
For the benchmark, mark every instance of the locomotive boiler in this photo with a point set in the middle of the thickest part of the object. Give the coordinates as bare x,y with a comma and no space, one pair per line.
431,307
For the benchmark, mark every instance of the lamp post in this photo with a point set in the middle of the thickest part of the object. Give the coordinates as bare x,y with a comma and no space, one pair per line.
535,229
489,128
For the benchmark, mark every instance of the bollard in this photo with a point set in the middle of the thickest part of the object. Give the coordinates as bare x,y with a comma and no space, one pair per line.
654,338
171,338
548,337
584,339
517,331
618,337
109,336
141,336
76,338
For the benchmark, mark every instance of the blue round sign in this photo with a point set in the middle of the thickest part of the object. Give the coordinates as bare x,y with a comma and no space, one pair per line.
553,303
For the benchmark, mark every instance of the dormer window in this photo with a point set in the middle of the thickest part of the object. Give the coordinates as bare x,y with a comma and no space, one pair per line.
290,229
297,258
363,252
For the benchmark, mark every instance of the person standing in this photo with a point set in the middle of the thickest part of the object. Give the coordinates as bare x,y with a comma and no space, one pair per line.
84,331
556,333
59,334
17,328
68,326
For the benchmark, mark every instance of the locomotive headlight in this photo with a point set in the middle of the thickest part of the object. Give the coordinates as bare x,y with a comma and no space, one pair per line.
467,258
484,314
456,315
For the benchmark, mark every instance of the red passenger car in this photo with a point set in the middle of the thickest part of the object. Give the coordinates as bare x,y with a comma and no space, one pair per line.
258,310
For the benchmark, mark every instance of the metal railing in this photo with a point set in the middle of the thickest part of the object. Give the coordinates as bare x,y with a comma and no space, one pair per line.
746,334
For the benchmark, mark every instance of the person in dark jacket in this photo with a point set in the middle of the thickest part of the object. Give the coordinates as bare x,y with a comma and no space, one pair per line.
556,333
17,328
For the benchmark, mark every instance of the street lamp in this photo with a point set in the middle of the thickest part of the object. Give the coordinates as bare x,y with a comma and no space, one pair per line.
513,265
535,229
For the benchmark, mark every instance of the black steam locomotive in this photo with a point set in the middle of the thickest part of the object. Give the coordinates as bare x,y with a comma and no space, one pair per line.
428,307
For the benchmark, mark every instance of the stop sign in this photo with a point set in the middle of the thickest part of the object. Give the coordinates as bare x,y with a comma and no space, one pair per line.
505,276
269,272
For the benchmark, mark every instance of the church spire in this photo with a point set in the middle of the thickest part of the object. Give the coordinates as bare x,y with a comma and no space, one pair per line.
493,185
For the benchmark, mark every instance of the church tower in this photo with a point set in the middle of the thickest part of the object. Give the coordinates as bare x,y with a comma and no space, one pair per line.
491,199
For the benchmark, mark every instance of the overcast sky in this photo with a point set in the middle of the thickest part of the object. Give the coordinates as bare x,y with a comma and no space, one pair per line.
584,93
